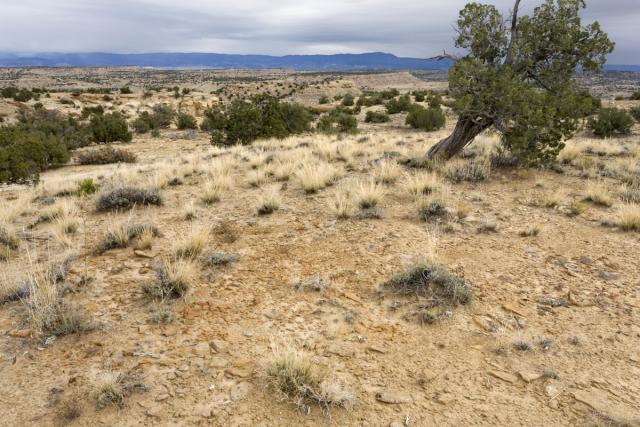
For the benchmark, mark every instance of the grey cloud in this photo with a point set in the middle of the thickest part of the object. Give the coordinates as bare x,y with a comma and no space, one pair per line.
406,28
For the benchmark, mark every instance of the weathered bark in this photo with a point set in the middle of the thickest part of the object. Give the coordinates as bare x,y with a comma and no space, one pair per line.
465,131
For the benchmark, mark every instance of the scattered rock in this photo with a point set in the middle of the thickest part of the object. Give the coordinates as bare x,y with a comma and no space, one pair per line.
342,350
154,411
20,333
529,376
143,254
585,260
218,346
606,275
377,349
239,372
393,397
238,392
202,349
445,398
510,378
600,401
515,309
205,410
218,362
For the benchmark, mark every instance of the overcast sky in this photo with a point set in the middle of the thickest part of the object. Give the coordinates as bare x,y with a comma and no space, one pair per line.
417,28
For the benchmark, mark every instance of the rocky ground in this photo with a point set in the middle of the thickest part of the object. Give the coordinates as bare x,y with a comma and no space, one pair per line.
551,336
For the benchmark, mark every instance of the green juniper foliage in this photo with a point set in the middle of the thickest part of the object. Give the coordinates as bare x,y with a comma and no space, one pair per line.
517,77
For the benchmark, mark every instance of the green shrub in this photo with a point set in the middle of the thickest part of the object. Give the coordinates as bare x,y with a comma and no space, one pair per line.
214,119
428,119
348,100
324,99
110,127
186,121
126,90
635,113
434,100
26,153
337,122
369,101
635,96
264,116
399,105
419,95
72,133
161,116
610,122
143,123
106,155
89,111
389,94
376,117
126,198
87,186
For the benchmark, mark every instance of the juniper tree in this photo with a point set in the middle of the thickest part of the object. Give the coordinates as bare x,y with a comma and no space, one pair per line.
517,77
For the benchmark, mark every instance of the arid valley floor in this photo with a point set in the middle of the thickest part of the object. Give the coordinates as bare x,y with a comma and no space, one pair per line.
550,336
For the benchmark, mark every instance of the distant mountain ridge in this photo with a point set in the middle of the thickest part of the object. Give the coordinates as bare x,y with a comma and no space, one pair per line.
337,62
363,61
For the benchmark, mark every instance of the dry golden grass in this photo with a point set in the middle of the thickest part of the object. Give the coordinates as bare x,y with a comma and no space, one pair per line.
174,278
629,217
145,241
342,205
108,389
268,203
423,183
368,194
598,194
59,210
316,176
388,172
212,191
256,178
297,378
192,244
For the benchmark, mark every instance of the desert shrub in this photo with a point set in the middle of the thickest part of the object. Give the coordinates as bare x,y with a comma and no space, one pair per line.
186,121
86,186
143,123
173,279
19,95
635,96
120,236
126,90
69,130
419,95
348,100
337,122
399,105
24,154
214,119
472,171
369,101
162,116
126,198
428,119
431,280
263,116
610,122
110,127
389,94
324,99
635,113
89,111
106,155
296,377
376,117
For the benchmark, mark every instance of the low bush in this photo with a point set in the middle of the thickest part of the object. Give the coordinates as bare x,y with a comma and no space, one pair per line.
120,236
106,155
428,119
635,113
86,186
431,280
337,122
186,121
126,198
173,279
610,122
323,100
110,127
399,105
348,100
376,117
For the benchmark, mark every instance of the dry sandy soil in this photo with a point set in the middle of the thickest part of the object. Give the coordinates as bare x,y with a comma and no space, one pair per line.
551,336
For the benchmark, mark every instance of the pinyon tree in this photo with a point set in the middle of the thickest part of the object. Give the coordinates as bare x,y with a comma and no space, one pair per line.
517,77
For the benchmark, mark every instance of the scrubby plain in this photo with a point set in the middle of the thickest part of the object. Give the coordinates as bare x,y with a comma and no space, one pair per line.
320,279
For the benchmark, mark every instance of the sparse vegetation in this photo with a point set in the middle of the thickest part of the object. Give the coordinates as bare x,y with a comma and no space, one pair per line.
126,198
173,279
295,377
610,122
106,155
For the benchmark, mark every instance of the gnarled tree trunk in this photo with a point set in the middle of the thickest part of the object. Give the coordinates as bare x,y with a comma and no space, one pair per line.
465,131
